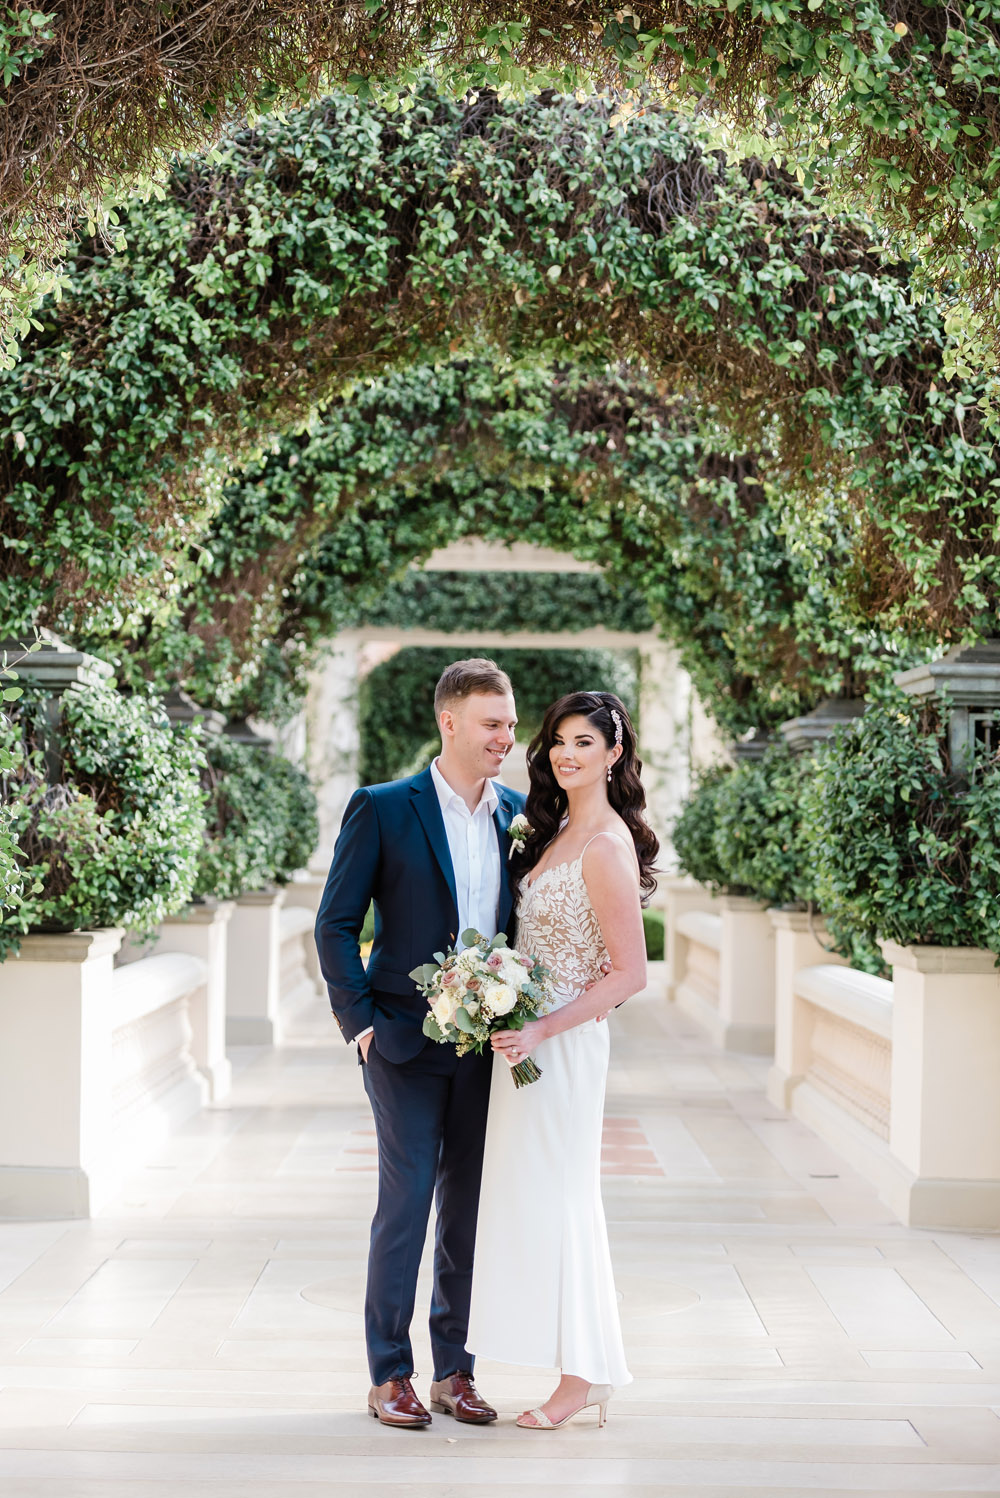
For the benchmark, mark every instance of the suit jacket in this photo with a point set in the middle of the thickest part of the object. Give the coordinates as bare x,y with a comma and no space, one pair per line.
393,849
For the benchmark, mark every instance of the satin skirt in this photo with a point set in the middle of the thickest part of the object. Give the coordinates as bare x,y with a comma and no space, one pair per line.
543,1292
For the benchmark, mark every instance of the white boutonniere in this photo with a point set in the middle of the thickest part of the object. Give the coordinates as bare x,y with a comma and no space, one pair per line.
519,831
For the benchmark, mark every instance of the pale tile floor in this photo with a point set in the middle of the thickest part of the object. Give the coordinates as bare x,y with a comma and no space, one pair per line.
787,1337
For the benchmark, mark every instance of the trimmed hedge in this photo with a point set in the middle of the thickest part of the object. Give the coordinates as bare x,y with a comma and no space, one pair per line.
115,841
262,820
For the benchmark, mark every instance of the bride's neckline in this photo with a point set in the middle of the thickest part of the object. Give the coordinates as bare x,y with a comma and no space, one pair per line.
567,863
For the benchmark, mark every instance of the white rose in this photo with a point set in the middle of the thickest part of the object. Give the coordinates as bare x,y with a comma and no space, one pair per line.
443,1008
514,970
519,824
500,998
469,960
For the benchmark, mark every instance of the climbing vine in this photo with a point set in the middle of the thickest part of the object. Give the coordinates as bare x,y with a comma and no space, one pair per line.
313,253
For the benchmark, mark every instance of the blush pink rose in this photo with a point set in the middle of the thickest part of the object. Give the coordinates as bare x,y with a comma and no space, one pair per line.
448,978
495,961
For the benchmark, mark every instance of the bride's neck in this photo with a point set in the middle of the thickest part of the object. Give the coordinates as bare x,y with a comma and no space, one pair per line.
585,806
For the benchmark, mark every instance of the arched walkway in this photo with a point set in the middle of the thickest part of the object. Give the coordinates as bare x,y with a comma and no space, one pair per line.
674,733
787,1337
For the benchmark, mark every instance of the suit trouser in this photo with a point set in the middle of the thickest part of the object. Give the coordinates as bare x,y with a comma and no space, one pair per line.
430,1121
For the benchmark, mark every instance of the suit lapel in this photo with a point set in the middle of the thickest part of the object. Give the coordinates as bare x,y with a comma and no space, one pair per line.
501,820
428,809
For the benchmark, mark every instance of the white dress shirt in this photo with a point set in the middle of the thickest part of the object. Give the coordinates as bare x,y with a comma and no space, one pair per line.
475,854
475,858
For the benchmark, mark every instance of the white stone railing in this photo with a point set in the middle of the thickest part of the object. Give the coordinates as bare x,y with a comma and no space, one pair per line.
97,1066
155,1083
296,983
850,1041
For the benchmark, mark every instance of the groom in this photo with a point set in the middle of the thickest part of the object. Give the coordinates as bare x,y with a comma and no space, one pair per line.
431,851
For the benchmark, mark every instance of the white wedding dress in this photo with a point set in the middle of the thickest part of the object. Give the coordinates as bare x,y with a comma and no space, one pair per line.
543,1291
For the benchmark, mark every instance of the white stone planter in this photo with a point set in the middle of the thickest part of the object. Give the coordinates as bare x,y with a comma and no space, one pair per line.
201,931
55,1070
253,977
945,1122
720,954
97,1066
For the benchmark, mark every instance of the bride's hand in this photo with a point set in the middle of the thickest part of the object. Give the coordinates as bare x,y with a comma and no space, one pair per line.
514,1045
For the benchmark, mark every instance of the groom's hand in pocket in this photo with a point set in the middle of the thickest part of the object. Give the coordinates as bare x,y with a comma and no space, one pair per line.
364,1044
606,968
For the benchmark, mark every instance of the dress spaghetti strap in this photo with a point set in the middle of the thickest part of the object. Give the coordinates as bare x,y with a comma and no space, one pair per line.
621,838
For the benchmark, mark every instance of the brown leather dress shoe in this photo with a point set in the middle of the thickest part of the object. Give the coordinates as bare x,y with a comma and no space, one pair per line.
395,1403
457,1395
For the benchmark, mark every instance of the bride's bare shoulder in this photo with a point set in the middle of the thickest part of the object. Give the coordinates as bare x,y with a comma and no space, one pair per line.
611,846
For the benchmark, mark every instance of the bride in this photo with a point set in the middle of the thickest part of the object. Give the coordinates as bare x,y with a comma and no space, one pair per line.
543,1293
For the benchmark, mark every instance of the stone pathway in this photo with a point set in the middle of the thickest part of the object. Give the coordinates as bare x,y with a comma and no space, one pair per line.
203,1336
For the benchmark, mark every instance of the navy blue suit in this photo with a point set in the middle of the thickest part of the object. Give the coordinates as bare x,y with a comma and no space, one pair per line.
429,1106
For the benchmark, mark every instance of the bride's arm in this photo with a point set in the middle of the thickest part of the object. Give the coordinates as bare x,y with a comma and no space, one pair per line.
613,886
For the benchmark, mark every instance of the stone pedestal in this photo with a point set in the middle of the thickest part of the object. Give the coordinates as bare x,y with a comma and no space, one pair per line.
333,740
664,732
56,1075
797,944
746,976
201,931
944,1133
253,977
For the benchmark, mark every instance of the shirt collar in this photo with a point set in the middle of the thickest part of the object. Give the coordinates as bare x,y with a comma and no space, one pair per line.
446,795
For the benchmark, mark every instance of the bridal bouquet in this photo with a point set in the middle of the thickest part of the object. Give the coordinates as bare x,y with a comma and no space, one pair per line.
480,987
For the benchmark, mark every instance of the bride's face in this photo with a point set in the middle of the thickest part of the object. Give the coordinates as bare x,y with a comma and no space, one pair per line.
579,756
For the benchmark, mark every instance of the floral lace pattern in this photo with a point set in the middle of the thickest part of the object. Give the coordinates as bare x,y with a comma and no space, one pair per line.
556,920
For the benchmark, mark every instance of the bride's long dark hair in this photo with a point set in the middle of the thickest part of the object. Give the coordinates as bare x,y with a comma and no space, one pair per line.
547,802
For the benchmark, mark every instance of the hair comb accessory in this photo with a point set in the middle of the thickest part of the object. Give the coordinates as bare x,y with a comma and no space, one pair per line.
617,720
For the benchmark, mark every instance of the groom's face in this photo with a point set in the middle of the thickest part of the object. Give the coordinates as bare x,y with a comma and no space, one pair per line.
478,731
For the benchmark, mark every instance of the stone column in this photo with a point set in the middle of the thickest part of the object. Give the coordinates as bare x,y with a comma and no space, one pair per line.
944,1130
333,739
746,976
253,979
665,750
56,1074
201,931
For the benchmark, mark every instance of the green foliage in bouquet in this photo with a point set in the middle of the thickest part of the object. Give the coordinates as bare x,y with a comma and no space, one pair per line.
902,847
262,822
115,838
396,717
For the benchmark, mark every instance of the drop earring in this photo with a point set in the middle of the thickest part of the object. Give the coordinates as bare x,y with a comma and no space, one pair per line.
609,774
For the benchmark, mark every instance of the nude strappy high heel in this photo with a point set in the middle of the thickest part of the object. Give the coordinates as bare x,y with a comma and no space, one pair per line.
598,1394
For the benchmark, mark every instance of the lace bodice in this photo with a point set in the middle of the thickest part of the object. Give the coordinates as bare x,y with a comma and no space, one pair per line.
556,920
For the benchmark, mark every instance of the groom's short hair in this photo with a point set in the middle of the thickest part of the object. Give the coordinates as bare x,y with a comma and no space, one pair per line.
462,678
